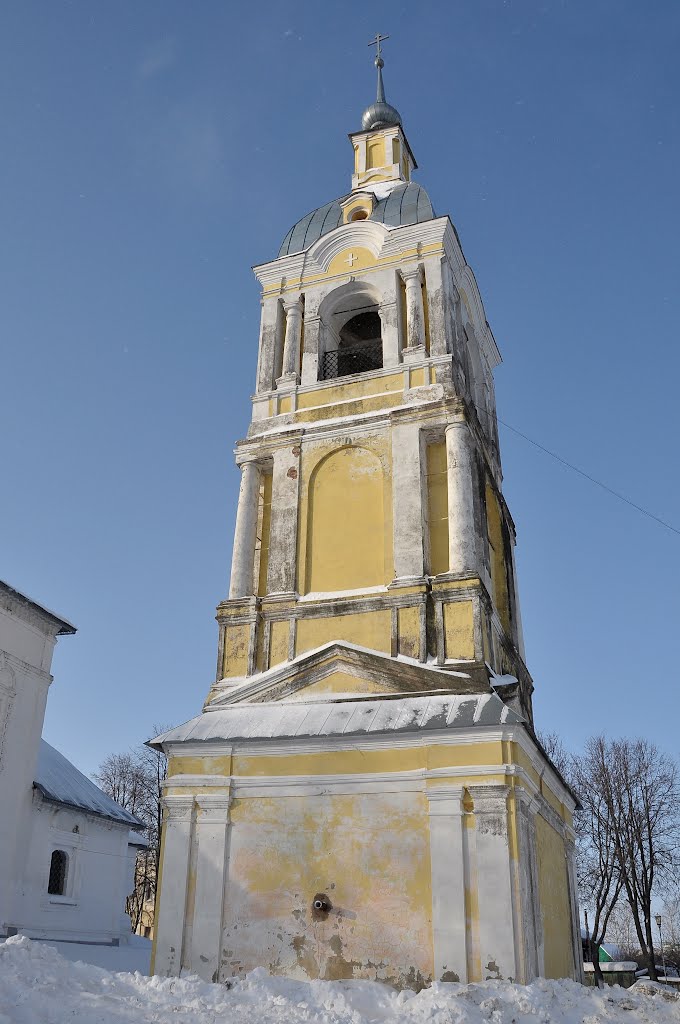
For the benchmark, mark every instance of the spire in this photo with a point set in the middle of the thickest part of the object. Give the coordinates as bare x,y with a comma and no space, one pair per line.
379,114
380,64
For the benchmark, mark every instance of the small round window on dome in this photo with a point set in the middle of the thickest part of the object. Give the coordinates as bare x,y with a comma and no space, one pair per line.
360,215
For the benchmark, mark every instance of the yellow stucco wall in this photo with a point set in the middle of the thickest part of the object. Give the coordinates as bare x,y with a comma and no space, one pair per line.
438,507
263,531
236,640
497,554
554,901
393,382
459,630
278,644
367,629
408,620
339,682
346,525
345,521
368,853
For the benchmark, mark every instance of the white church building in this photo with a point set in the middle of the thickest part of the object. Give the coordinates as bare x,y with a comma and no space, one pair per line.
67,852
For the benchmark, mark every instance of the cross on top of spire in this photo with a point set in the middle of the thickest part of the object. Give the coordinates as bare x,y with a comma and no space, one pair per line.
379,113
379,62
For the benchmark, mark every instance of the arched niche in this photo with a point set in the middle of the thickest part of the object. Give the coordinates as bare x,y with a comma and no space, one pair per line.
346,526
350,339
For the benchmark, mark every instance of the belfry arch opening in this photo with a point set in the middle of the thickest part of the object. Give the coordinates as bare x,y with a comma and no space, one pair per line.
351,338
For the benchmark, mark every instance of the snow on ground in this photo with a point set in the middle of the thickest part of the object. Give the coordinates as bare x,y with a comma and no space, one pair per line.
134,955
37,986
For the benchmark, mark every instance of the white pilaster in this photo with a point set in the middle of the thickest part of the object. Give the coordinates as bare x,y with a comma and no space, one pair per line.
497,939
407,501
462,553
415,316
175,870
437,308
570,845
448,884
269,339
281,573
243,557
212,820
291,347
389,330
310,355
527,909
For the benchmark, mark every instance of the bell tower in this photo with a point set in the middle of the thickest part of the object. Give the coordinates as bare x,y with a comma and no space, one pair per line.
363,794
370,508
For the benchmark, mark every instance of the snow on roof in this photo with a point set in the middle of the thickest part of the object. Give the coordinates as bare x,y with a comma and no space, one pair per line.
60,782
136,839
64,625
340,717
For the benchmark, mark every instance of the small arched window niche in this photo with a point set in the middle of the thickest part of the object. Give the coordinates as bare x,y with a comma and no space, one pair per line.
351,335
56,885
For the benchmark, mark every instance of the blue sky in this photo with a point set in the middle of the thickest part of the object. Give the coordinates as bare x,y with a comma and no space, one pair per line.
152,153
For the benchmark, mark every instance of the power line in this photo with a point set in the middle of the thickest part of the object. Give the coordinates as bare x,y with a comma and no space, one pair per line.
593,480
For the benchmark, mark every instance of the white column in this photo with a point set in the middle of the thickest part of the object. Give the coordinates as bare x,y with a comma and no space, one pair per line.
415,316
462,547
407,501
282,569
243,557
211,834
291,346
497,940
171,902
448,884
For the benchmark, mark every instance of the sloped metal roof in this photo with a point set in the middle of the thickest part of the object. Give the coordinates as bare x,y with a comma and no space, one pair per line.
60,782
343,717
405,204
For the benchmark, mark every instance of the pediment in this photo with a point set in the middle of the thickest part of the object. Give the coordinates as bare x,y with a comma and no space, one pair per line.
339,670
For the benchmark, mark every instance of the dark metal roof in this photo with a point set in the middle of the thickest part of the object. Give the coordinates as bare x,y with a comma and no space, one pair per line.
408,203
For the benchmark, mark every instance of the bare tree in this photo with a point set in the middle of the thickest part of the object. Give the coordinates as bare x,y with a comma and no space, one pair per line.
134,780
600,879
639,798
557,752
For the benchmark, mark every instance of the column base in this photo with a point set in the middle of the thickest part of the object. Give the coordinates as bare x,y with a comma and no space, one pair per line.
414,354
287,381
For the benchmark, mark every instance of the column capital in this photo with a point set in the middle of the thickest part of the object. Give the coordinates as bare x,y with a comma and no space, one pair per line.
411,274
247,463
489,799
445,801
214,808
457,424
526,799
177,808
292,305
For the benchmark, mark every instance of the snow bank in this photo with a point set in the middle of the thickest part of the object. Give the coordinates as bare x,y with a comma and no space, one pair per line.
37,986
134,955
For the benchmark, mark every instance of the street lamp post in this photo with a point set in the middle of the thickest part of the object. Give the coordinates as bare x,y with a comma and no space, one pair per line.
663,955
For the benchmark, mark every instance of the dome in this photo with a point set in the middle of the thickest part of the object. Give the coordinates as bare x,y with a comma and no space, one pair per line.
379,115
407,203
